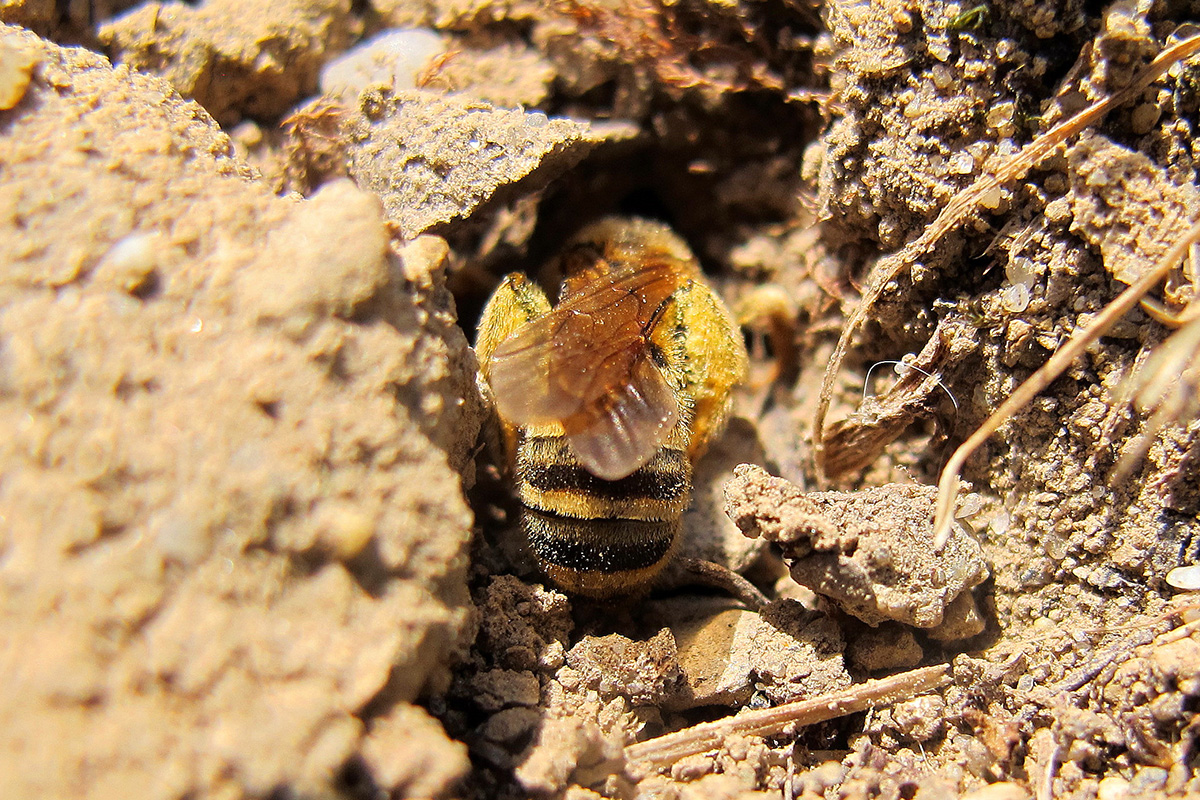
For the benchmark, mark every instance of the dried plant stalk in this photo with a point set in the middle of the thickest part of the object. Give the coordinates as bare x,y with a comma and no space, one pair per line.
1054,366
963,204
664,751
1167,384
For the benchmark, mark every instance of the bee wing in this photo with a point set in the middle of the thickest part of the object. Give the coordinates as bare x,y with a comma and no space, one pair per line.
624,430
564,364
523,375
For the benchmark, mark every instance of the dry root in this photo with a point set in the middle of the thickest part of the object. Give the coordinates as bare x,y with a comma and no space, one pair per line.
666,750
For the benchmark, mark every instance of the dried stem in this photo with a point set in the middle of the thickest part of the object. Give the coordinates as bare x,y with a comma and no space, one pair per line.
963,204
1054,366
709,573
666,750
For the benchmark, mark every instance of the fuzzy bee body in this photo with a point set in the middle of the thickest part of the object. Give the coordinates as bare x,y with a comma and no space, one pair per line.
606,400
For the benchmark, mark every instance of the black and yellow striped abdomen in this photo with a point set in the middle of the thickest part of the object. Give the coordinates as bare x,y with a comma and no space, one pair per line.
597,537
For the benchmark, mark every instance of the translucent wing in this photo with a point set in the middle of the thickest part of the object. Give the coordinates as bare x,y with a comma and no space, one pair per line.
625,431
521,374
586,365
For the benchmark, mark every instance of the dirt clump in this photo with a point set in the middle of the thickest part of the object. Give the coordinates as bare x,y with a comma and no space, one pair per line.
234,549
871,552
433,159
233,60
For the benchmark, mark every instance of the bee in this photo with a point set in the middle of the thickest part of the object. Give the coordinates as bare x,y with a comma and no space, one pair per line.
606,399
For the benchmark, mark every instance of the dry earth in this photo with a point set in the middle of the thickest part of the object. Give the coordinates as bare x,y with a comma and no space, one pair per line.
250,545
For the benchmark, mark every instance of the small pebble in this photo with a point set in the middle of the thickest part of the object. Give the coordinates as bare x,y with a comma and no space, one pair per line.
394,58
820,778
1143,118
130,264
1015,298
344,529
1113,787
1185,579
998,791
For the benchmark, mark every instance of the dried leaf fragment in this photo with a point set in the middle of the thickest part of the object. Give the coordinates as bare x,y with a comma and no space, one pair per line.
856,441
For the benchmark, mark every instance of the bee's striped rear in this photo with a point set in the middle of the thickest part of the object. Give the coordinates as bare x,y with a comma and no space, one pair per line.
599,537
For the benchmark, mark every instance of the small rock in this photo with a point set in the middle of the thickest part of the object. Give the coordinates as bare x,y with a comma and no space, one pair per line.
693,767
962,620
498,688
1113,787
1148,780
885,648
130,265
999,791
870,552
819,778
343,528
921,718
394,58
727,654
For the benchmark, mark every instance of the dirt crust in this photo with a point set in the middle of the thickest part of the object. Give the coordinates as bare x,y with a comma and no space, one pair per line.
871,552
233,554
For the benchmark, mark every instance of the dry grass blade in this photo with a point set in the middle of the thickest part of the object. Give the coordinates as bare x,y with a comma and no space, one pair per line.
666,750
1169,384
1054,366
963,204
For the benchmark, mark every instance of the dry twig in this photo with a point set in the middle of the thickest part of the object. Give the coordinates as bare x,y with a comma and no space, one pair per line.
1054,366
664,751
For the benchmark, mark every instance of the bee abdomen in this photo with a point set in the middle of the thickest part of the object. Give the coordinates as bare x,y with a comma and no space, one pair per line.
663,485
550,479
599,557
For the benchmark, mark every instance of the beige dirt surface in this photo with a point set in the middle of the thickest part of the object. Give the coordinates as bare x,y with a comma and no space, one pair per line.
233,546
255,540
